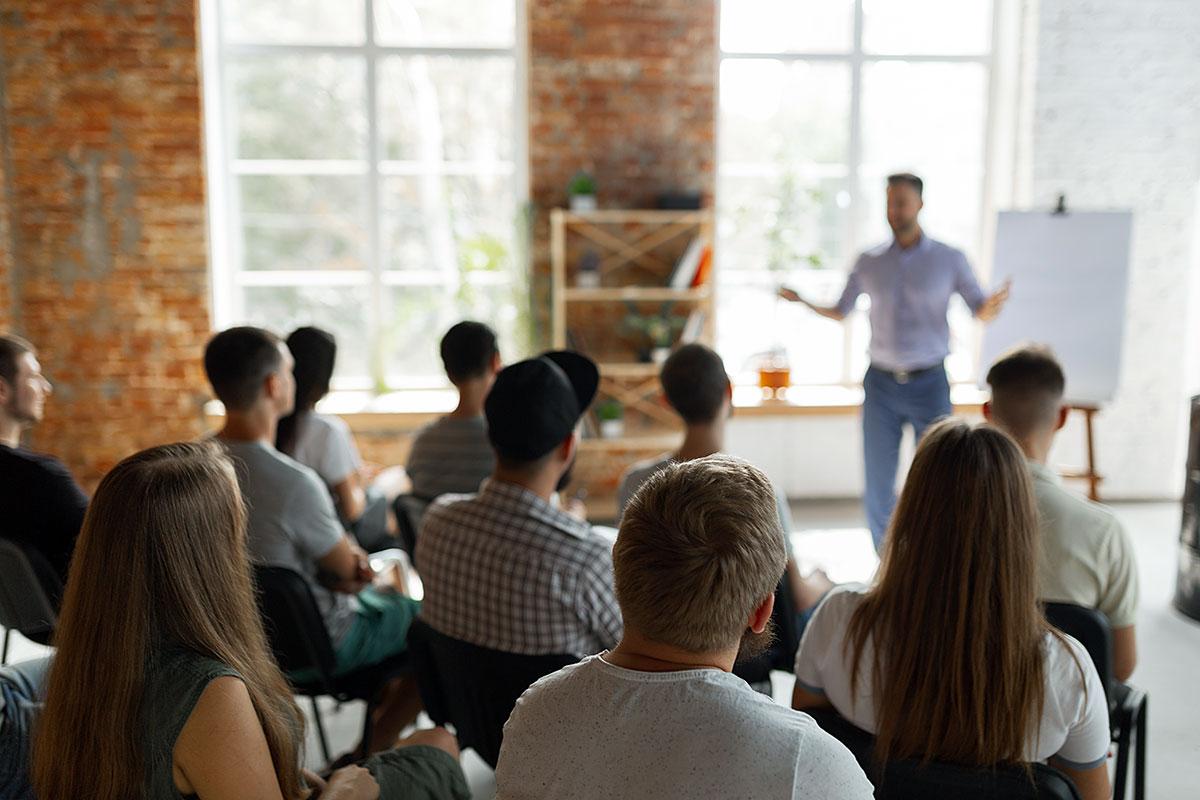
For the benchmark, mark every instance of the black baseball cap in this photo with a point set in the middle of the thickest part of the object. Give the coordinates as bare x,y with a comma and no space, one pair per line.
534,404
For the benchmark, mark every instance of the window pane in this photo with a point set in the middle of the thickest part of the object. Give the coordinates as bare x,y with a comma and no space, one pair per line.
779,26
299,107
440,22
781,223
446,108
294,21
947,27
753,321
303,222
445,223
341,310
784,112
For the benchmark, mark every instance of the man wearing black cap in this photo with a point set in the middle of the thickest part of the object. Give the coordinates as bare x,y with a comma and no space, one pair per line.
505,568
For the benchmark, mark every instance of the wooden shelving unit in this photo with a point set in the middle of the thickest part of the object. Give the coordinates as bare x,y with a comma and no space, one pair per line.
635,252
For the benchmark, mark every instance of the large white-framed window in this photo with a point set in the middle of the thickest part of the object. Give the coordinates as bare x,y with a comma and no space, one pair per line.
367,174
819,101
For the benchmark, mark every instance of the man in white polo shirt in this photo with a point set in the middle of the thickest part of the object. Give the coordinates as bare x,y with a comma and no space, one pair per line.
696,563
1087,557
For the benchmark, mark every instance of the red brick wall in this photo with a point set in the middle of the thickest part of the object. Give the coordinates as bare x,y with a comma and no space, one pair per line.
106,204
625,89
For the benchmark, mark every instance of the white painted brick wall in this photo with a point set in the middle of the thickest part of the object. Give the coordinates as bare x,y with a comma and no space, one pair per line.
1117,125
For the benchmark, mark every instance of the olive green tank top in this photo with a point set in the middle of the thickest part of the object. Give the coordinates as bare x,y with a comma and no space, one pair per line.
175,679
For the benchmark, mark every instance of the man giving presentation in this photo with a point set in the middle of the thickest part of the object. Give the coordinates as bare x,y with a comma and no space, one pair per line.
910,281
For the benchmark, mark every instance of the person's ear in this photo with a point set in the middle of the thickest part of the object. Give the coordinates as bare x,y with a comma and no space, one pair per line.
273,386
6,391
761,616
566,450
497,363
1063,412
987,410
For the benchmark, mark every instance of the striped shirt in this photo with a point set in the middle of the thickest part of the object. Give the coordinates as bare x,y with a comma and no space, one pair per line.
450,456
505,570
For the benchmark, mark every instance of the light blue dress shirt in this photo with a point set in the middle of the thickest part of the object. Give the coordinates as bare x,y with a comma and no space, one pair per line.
910,290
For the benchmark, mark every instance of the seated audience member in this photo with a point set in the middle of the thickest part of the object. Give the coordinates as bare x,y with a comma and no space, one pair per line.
43,506
292,522
948,656
22,690
699,390
173,692
696,563
1087,558
505,568
452,455
324,443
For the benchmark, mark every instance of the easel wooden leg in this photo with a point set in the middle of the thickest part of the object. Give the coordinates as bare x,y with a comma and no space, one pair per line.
1093,478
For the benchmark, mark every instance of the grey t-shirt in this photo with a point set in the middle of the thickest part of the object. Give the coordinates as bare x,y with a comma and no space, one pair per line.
596,730
450,456
636,475
291,523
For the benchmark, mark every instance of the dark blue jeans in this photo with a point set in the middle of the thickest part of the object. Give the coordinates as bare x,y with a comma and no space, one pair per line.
23,688
889,405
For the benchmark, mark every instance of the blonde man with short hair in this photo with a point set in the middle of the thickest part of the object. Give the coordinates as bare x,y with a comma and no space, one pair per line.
660,715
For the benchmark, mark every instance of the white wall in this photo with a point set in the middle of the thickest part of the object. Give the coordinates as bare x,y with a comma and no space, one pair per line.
1117,125
1114,88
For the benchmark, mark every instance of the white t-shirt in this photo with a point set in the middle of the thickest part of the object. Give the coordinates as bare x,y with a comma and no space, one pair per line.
1074,727
326,446
595,730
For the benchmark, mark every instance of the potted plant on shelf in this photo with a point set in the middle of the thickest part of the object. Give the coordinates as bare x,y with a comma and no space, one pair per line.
587,276
612,419
582,192
658,332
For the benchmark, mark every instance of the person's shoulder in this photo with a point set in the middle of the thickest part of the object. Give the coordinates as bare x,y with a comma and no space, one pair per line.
1095,516
640,470
941,248
549,690
449,506
20,457
328,424
1066,660
844,597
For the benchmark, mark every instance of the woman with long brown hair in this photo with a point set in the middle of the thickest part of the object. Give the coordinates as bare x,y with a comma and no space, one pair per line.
947,656
163,685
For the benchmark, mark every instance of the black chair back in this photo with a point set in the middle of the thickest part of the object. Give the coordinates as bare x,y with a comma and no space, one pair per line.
293,622
473,688
909,779
25,603
1092,630
409,509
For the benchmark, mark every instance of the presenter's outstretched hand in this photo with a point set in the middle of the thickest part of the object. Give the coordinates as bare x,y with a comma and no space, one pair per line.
789,295
994,304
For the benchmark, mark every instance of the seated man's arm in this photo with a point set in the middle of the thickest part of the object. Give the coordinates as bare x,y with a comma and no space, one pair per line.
803,698
318,534
1124,652
347,566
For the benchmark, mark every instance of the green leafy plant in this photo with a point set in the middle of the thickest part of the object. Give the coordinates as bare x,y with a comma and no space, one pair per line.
658,330
609,410
582,183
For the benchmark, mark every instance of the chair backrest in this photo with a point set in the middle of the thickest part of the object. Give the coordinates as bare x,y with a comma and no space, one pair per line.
909,779
293,622
781,654
409,509
25,604
1092,630
473,688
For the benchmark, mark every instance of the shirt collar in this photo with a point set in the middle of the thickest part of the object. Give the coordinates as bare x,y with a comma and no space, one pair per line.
531,504
921,246
1041,472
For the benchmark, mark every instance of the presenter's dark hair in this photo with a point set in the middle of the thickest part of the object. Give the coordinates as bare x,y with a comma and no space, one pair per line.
907,179
315,352
237,361
467,350
12,348
695,383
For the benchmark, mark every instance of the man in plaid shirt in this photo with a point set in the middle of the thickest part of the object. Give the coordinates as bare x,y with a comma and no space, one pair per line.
506,568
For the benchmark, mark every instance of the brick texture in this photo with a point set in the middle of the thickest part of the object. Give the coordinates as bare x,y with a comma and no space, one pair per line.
625,89
105,200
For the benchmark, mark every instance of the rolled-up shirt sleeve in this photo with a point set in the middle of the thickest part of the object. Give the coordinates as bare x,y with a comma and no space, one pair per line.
845,303
966,285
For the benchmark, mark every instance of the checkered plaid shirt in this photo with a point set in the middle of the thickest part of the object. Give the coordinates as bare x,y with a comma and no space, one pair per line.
504,569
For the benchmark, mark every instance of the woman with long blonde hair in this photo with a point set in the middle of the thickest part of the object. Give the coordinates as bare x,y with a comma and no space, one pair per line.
947,656
163,685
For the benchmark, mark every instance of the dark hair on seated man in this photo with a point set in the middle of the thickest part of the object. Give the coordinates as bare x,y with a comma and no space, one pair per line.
237,361
695,383
468,350
1027,390
12,347
907,179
